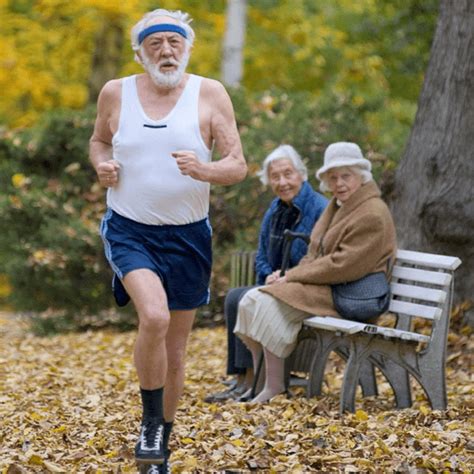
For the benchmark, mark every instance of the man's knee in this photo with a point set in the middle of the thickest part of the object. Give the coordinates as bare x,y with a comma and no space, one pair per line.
154,320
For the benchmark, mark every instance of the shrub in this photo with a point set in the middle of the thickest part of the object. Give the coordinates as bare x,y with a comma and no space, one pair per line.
50,210
51,204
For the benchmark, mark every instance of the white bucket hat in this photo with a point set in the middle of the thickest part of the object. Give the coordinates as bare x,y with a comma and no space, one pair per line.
343,154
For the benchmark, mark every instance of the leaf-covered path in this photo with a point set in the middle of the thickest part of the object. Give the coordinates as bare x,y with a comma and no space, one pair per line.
69,403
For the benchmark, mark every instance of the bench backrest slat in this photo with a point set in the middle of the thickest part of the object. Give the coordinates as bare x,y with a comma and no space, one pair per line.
414,309
428,259
418,292
423,276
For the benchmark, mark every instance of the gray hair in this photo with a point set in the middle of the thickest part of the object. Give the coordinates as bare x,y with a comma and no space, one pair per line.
364,173
283,152
183,20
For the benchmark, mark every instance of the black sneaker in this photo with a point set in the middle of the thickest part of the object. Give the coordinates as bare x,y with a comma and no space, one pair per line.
149,449
164,468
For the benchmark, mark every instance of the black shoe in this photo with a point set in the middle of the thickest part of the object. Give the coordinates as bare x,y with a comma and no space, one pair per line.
164,468
230,394
149,448
245,396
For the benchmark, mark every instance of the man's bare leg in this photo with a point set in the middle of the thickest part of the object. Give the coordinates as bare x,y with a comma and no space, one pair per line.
148,295
179,329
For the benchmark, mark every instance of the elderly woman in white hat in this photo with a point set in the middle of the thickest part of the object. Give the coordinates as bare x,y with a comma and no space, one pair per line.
355,236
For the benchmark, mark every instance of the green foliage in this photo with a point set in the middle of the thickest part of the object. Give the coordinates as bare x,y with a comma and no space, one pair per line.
50,210
51,204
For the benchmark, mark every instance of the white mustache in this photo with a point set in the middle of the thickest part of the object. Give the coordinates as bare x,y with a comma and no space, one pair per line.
168,62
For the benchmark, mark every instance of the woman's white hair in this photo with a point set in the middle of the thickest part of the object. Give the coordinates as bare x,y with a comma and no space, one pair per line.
183,20
283,152
365,174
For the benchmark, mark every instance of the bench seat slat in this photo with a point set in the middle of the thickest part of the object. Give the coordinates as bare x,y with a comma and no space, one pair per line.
418,292
428,259
422,276
334,324
352,327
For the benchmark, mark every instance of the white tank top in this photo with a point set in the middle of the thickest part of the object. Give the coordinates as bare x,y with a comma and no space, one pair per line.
151,189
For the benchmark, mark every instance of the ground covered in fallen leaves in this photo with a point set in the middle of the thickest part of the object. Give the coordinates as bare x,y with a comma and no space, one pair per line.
69,403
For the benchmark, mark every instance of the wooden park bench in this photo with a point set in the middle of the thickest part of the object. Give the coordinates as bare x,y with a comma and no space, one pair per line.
422,290
422,287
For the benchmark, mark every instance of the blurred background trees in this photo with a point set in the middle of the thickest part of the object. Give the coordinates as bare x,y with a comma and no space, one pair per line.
313,72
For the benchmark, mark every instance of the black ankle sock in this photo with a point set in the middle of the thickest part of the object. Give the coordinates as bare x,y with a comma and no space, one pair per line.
167,433
152,401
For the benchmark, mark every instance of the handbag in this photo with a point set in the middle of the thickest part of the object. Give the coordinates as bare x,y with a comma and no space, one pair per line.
364,299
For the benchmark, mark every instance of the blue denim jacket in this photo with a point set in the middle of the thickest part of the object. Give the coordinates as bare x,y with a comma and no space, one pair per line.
311,205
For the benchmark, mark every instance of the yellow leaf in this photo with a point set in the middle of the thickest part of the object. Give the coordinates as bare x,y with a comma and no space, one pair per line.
36,416
424,409
36,460
187,441
237,442
361,415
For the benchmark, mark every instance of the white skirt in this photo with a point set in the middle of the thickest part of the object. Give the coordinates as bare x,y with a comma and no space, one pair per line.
269,321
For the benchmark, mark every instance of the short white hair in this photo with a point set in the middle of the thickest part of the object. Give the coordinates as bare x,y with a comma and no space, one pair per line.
364,173
283,152
183,19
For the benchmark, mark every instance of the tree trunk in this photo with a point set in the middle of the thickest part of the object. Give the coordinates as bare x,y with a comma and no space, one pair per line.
106,58
234,42
433,199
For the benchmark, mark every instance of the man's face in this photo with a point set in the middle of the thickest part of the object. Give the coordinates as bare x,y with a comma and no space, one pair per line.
165,55
284,179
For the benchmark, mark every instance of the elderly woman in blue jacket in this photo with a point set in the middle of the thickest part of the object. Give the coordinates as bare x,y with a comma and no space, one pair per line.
296,207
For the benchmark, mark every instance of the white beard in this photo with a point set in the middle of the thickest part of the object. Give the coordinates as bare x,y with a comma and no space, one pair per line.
168,80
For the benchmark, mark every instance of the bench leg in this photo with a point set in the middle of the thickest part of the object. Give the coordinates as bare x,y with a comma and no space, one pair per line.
433,381
349,384
325,343
367,379
316,374
398,378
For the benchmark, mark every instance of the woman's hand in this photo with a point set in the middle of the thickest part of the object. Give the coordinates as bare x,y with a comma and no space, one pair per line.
272,278
281,279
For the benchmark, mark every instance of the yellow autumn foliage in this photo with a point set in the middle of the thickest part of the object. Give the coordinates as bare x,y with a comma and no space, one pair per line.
47,47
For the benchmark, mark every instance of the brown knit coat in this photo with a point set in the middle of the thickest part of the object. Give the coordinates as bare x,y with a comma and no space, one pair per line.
358,238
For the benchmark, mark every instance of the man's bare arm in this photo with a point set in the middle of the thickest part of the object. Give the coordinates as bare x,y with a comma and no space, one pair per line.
100,144
231,168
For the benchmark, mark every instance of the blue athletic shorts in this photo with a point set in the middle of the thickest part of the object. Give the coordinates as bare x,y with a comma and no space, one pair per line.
181,255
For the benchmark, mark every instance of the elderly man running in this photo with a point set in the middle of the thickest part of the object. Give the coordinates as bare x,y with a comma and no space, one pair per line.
151,148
